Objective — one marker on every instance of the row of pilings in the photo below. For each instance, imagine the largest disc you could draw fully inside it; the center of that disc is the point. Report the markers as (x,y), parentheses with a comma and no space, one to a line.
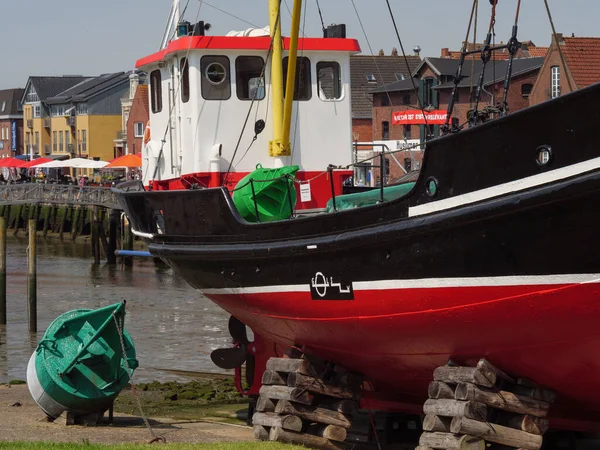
(107,229)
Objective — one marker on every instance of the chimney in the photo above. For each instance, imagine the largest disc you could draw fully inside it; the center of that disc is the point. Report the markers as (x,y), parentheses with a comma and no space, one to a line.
(559,38)
(134,81)
(381,52)
(394,51)
(445,53)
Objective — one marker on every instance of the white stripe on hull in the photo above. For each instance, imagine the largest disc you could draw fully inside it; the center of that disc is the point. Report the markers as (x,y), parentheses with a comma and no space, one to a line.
(425,283)
(506,188)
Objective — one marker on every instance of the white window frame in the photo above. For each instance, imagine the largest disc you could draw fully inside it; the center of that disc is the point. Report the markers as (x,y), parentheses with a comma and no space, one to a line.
(555,81)
(138,129)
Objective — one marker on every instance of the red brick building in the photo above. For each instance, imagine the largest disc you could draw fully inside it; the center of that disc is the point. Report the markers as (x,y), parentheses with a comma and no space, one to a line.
(582,58)
(397,115)
(11,122)
(138,118)
(527,50)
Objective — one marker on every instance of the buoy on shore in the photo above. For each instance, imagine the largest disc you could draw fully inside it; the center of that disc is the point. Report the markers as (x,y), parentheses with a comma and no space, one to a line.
(82,363)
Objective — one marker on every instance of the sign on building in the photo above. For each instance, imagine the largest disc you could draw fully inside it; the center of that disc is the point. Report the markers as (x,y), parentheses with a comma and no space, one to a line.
(14,135)
(416,117)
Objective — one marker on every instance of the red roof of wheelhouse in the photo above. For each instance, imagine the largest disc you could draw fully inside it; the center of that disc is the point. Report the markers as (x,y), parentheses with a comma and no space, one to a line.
(248,43)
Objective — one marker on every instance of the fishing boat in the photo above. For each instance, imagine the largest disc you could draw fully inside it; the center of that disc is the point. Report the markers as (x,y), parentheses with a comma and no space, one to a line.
(492,252)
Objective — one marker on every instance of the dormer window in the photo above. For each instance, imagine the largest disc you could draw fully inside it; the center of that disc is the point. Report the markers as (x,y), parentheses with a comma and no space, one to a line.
(399,77)
(371,78)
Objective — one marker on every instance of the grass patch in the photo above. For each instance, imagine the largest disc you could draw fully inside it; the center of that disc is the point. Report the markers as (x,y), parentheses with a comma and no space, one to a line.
(16,382)
(212,446)
(201,399)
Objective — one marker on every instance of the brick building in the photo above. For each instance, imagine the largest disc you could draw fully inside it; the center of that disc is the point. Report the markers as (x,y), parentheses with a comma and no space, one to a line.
(368,72)
(11,122)
(528,50)
(582,58)
(398,118)
(139,116)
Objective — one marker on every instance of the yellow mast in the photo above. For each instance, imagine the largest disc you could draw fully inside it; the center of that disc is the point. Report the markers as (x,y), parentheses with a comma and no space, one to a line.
(280,146)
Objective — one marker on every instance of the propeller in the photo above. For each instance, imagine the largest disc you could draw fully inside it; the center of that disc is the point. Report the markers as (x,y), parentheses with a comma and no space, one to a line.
(234,357)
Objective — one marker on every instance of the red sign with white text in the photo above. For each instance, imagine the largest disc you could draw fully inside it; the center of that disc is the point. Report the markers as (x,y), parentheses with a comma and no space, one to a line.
(415,117)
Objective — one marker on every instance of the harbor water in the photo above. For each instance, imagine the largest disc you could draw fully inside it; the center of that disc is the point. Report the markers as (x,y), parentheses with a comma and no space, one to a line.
(174,328)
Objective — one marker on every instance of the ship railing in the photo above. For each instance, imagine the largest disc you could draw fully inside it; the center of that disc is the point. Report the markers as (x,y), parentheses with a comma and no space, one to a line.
(57,194)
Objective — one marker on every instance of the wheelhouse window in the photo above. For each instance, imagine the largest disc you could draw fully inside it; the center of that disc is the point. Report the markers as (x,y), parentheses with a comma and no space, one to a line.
(216,77)
(156,91)
(555,79)
(249,77)
(184,70)
(302,90)
(329,80)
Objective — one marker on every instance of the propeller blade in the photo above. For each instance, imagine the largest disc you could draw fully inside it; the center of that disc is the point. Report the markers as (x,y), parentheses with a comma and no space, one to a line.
(250,363)
(229,358)
(237,330)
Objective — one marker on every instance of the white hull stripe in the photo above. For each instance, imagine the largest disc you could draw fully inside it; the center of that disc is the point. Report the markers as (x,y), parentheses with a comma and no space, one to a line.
(425,283)
(506,188)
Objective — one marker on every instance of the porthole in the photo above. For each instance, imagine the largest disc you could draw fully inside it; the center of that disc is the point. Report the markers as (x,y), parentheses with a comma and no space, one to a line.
(431,187)
(215,73)
(544,155)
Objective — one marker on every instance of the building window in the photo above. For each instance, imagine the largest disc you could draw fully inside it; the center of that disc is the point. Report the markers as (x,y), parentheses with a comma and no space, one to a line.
(32,96)
(184,69)
(385,131)
(54,141)
(302,90)
(37,111)
(407,164)
(526,89)
(407,129)
(138,129)
(555,81)
(249,85)
(68,141)
(427,92)
(79,141)
(406,99)
(156,91)
(371,78)
(3,106)
(82,109)
(84,141)
(56,111)
(385,100)
(61,144)
(37,140)
(329,80)
(430,131)
(216,79)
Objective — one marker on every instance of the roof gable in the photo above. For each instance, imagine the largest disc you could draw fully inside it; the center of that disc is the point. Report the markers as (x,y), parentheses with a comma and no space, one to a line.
(47,87)
(90,88)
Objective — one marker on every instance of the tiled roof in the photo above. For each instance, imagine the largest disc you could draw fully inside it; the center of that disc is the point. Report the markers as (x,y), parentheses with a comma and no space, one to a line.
(89,88)
(51,86)
(582,55)
(384,69)
(528,50)
(10,98)
(538,52)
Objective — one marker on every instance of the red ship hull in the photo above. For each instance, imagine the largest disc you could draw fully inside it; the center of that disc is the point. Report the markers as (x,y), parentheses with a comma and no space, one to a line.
(546,332)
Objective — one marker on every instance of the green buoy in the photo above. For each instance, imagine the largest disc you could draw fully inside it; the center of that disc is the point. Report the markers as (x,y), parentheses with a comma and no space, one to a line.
(270,192)
(78,365)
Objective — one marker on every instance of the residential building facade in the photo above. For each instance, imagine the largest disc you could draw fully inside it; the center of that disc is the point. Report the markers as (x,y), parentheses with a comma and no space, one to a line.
(11,122)
(138,120)
(581,67)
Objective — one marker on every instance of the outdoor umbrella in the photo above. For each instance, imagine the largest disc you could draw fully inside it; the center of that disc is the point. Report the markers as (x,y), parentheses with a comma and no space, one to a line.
(129,161)
(78,163)
(10,162)
(34,162)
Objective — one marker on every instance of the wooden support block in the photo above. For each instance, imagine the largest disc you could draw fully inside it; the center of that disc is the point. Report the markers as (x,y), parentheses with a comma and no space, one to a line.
(344,406)
(452,408)
(289,437)
(289,365)
(317,386)
(538,393)
(450,441)
(527,423)
(330,432)
(439,389)
(496,433)
(287,422)
(503,400)
(264,404)
(271,377)
(486,367)
(437,423)
(293,394)
(423,447)
(480,377)
(261,433)
(313,414)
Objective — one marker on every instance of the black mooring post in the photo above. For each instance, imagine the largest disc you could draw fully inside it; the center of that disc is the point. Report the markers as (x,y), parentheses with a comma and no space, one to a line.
(381,172)
(330,170)
(254,198)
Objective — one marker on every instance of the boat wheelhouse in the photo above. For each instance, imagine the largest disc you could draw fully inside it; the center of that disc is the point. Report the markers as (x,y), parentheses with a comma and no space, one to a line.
(202,88)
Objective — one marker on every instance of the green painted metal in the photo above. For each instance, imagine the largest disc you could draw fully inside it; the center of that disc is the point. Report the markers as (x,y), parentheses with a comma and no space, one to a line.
(79,362)
(271,192)
(371,197)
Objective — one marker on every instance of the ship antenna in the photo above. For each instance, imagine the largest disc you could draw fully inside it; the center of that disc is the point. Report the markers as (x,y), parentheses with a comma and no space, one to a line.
(321,16)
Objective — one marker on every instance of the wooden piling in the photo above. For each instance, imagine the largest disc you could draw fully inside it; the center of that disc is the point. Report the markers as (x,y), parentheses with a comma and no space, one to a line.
(2,271)
(47,220)
(32,278)
(95,236)
(113,227)
(127,241)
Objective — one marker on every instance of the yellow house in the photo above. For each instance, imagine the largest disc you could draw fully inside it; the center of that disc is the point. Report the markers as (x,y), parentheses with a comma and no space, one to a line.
(68,117)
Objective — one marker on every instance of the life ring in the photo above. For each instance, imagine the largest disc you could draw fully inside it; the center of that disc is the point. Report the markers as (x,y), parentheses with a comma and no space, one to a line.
(147,134)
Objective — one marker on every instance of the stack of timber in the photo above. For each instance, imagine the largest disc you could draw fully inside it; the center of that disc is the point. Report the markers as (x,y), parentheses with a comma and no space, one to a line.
(306,402)
(473,408)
